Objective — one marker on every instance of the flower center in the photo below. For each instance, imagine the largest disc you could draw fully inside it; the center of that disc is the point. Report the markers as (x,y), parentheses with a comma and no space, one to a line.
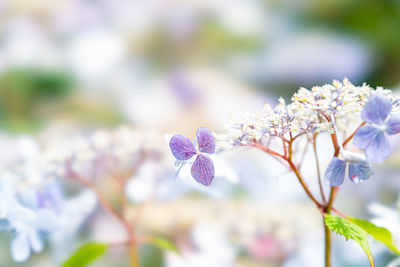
(380,127)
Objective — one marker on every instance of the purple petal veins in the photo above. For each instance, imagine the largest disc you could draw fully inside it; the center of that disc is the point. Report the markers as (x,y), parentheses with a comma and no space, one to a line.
(205,140)
(376,110)
(334,174)
(393,124)
(182,147)
(203,170)
(379,148)
(364,136)
(360,171)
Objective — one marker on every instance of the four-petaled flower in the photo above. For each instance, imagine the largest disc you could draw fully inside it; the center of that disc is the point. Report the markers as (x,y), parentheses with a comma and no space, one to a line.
(183,149)
(371,137)
(359,169)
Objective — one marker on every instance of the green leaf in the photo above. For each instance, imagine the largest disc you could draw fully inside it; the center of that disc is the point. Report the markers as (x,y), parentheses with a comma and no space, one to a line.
(379,233)
(350,230)
(163,243)
(85,255)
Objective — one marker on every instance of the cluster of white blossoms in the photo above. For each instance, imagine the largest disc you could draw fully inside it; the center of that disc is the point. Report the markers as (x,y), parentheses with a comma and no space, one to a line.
(102,152)
(33,203)
(314,110)
(92,155)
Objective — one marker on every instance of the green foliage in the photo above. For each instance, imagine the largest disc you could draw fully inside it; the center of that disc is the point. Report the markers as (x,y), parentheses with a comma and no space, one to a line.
(349,230)
(379,233)
(151,256)
(163,243)
(85,255)
(214,36)
(374,22)
(24,91)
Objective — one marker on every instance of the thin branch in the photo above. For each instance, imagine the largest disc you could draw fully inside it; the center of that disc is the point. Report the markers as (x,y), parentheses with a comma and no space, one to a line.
(103,201)
(265,149)
(341,214)
(299,177)
(108,207)
(303,155)
(297,136)
(332,197)
(352,135)
(303,184)
(280,158)
(284,147)
(321,189)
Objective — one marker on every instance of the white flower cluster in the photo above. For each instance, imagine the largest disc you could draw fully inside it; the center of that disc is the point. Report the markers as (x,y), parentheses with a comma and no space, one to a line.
(32,200)
(313,110)
(102,152)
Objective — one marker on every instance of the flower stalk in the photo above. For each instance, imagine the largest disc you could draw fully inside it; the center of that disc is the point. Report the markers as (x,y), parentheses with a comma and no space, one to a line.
(121,216)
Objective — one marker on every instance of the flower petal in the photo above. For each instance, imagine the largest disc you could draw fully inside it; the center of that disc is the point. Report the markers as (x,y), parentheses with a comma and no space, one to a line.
(35,241)
(364,136)
(376,109)
(393,124)
(20,248)
(360,171)
(206,140)
(334,174)
(182,147)
(203,170)
(379,148)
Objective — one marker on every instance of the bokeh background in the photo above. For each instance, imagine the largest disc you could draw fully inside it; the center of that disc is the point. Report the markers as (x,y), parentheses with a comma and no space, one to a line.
(169,66)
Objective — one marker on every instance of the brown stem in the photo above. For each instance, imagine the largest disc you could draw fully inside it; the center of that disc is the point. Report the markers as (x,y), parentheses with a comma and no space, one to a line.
(352,135)
(303,184)
(284,148)
(298,175)
(269,151)
(338,212)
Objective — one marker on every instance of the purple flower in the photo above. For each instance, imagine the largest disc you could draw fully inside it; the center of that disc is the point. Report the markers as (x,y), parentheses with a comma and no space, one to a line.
(183,149)
(371,137)
(358,171)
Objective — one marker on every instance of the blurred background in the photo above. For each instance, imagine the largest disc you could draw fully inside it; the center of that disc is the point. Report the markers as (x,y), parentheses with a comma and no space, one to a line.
(170,66)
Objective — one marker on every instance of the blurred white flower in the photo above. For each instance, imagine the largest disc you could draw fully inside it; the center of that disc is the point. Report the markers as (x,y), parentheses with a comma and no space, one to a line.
(249,22)
(386,217)
(76,210)
(95,54)
(26,44)
(212,248)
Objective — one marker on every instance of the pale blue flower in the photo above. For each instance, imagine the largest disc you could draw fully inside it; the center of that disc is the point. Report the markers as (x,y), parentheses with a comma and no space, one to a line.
(371,137)
(26,223)
(358,171)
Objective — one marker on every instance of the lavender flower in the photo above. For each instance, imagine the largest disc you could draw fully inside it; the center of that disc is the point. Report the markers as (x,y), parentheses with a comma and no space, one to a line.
(183,149)
(358,171)
(371,137)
